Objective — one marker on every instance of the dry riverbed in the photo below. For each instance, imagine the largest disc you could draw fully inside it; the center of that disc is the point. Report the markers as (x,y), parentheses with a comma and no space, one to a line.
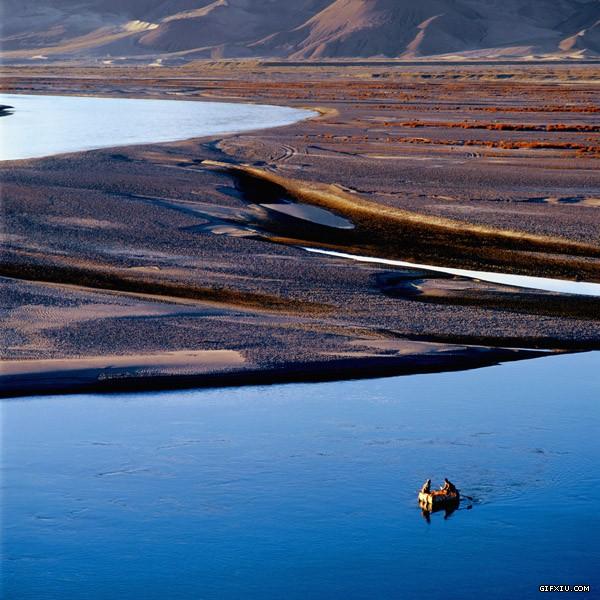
(190,248)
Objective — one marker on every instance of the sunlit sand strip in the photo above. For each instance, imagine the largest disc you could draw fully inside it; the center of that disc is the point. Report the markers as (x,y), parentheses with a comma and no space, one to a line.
(561,286)
(181,360)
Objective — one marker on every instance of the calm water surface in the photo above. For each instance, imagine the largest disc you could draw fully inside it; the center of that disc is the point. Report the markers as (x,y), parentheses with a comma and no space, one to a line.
(46,125)
(307,491)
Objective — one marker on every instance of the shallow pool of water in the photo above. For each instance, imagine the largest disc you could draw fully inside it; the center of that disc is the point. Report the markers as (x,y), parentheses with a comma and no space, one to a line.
(47,125)
(307,491)
(310,214)
(547,284)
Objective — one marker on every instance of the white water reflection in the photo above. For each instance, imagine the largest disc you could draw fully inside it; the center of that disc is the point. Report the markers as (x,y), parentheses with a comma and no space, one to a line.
(546,284)
(48,125)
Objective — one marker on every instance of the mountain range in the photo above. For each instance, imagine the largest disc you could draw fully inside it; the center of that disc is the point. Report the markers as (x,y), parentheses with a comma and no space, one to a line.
(169,30)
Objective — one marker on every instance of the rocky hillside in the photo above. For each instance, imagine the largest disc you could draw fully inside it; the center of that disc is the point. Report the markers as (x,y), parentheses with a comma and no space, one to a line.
(302,29)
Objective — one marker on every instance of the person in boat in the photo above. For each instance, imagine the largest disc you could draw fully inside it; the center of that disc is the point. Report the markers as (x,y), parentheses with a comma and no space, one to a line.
(426,487)
(449,487)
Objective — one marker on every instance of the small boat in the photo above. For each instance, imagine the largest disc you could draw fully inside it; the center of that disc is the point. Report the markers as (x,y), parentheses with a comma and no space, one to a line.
(438,498)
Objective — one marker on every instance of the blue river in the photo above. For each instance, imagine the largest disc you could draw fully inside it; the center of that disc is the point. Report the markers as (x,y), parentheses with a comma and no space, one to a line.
(308,491)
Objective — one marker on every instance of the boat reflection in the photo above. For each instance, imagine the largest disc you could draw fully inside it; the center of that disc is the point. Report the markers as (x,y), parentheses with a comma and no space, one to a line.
(427,509)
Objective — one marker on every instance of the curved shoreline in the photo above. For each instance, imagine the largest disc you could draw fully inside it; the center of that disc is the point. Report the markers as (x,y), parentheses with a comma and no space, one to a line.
(100,377)
(132,122)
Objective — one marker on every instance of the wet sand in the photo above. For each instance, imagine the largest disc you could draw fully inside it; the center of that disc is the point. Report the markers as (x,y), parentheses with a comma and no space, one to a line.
(149,250)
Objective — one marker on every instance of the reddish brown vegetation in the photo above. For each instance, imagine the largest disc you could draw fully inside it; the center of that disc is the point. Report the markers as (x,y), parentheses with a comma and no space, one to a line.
(496,126)
(540,109)
(581,149)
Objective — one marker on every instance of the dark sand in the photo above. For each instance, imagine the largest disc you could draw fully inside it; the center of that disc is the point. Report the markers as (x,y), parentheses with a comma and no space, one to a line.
(148,250)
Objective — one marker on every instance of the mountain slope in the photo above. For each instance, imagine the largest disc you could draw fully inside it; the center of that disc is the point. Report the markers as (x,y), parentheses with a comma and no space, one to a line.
(299,30)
